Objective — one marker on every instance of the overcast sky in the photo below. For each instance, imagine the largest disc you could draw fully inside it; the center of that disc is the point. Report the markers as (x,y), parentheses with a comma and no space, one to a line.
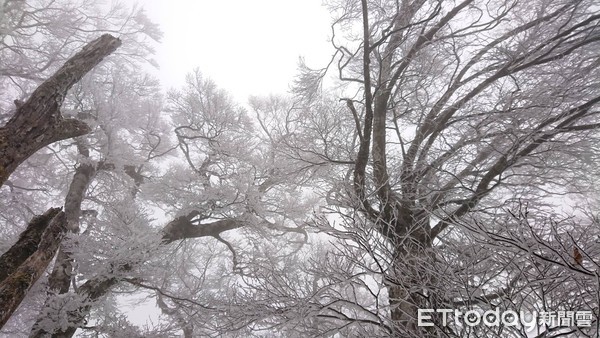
(247,47)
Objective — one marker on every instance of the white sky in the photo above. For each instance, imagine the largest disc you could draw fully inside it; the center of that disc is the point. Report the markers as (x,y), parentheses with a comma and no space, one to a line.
(248,47)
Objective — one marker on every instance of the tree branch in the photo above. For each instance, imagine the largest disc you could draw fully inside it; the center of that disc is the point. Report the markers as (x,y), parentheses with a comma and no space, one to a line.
(38,121)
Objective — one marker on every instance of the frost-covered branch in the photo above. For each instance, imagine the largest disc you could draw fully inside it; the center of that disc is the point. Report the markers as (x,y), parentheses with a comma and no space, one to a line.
(38,122)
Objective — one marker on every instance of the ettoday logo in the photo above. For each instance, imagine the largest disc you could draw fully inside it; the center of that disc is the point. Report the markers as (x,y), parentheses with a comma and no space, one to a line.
(495,317)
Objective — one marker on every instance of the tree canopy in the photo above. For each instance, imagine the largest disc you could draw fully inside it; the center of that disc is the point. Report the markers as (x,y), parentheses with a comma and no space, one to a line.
(445,158)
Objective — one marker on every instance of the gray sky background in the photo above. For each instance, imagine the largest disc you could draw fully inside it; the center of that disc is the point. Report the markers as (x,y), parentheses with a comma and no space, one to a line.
(246,47)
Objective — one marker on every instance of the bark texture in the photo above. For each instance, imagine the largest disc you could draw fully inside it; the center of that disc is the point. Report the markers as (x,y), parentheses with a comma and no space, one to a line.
(27,244)
(38,122)
(14,288)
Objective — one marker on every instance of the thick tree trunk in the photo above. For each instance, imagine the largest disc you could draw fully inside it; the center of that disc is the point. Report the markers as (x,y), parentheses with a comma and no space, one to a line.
(27,244)
(38,122)
(14,288)
(412,280)
(403,310)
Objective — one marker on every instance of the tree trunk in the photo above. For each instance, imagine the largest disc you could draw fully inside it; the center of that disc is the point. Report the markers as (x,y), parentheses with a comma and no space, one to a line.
(38,122)
(60,278)
(14,288)
(27,244)
(411,284)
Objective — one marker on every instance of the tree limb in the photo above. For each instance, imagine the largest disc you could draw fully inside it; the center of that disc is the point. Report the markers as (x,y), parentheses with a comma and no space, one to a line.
(38,121)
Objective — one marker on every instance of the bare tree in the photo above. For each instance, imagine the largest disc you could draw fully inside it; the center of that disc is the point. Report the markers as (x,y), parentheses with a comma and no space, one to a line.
(459,109)
(219,184)
(429,177)
(57,110)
